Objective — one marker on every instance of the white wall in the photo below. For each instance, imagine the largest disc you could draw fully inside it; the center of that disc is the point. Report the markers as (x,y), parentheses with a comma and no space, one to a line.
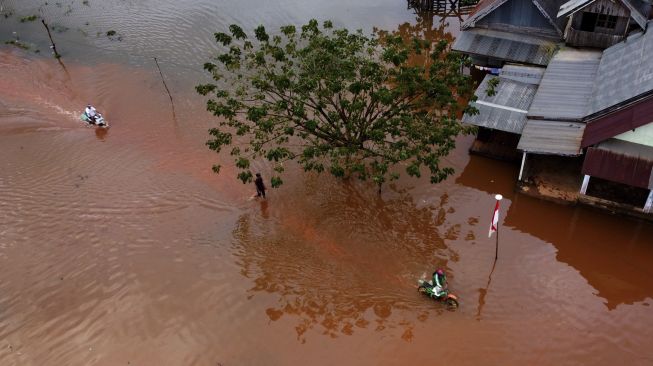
(642,135)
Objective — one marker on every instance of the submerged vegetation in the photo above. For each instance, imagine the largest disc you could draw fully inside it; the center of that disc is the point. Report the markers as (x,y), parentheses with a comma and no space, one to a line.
(17,43)
(60,28)
(113,35)
(30,18)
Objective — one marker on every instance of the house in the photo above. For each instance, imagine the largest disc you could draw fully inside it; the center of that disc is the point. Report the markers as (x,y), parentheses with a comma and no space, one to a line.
(530,31)
(599,104)
(619,132)
(602,23)
(517,31)
(555,123)
(583,111)
(524,35)
(502,116)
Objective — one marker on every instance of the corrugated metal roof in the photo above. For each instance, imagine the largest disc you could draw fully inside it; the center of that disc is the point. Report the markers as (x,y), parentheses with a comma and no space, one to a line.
(621,161)
(548,8)
(625,72)
(639,10)
(523,74)
(483,8)
(552,137)
(566,88)
(506,110)
(572,6)
(505,46)
(550,11)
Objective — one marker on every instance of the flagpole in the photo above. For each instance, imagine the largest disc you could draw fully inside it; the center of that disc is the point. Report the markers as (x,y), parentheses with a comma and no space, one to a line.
(494,228)
(496,248)
(498,197)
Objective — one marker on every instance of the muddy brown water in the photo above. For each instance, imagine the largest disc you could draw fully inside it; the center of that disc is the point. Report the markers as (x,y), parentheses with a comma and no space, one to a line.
(120,247)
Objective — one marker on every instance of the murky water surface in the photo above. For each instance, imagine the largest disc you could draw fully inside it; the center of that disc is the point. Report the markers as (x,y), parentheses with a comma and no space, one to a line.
(120,247)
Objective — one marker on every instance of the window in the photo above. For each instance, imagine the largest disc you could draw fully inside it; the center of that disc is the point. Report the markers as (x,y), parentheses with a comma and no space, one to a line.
(588,22)
(606,21)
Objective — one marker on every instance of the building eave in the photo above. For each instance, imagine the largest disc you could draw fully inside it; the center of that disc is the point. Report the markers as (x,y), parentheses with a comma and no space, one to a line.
(603,126)
(639,18)
(538,5)
(475,17)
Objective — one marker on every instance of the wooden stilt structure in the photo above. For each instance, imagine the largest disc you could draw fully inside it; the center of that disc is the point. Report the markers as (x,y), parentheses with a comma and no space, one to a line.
(443,7)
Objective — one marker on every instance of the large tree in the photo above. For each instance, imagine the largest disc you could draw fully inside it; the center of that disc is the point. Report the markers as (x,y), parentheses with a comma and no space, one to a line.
(336,101)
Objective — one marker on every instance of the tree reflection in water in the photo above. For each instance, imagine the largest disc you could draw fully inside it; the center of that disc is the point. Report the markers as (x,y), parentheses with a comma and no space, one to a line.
(348,260)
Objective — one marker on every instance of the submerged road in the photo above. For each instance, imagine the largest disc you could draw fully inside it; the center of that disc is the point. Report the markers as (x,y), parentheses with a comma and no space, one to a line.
(121,247)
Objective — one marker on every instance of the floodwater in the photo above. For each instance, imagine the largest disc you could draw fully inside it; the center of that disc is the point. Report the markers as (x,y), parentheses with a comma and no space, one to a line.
(121,247)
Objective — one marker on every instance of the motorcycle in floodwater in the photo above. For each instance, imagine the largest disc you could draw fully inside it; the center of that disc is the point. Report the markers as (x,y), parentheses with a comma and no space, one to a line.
(98,121)
(428,289)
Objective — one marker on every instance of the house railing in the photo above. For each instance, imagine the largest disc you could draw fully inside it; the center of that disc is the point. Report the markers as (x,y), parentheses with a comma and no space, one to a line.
(462,6)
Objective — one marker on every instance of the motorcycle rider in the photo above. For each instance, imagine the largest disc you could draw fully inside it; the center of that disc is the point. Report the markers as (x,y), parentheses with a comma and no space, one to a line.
(439,282)
(91,113)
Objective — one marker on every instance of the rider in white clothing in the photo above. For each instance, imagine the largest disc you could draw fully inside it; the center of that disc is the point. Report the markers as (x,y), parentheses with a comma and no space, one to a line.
(91,113)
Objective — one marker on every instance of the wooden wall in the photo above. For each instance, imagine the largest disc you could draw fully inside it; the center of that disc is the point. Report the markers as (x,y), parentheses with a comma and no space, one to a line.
(615,8)
(601,37)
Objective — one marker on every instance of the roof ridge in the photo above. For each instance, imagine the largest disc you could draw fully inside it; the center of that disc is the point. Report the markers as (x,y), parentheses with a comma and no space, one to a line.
(639,18)
(538,5)
(482,12)
(635,14)
(486,7)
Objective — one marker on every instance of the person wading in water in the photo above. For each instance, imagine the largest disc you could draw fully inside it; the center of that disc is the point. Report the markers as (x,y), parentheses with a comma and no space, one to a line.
(260,186)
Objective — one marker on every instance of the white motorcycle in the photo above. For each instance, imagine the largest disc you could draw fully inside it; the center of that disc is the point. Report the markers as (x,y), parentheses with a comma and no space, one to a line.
(98,120)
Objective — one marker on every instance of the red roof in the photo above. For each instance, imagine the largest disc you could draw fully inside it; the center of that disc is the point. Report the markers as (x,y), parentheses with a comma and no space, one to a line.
(617,167)
(482,5)
(616,123)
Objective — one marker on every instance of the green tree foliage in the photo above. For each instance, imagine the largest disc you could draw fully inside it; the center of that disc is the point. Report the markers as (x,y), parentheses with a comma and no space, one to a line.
(336,101)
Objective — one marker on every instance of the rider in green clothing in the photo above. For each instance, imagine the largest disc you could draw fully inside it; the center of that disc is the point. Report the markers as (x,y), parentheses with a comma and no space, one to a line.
(439,282)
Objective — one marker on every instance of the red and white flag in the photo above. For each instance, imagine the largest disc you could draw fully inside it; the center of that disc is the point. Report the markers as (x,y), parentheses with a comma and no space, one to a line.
(494,224)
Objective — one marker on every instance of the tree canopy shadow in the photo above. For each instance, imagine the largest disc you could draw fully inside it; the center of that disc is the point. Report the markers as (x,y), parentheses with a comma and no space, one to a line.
(346,259)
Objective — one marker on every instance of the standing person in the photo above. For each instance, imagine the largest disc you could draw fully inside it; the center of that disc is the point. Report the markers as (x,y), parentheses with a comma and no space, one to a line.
(260,186)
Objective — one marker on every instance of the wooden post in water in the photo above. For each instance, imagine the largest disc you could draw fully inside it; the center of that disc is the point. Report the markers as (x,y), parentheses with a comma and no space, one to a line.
(54,47)
(172,103)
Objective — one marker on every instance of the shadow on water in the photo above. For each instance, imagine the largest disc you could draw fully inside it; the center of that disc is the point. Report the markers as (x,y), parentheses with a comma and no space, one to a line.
(347,260)
(614,260)
(101,133)
(611,252)
(489,176)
